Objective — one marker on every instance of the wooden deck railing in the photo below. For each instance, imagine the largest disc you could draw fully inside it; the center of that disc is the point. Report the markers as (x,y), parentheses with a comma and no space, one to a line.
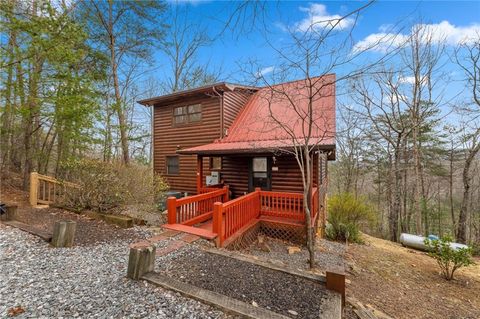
(192,210)
(47,190)
(208,189)
(282,205)
(230,217)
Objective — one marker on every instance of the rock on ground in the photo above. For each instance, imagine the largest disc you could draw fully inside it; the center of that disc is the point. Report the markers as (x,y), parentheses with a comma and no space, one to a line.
(83,282)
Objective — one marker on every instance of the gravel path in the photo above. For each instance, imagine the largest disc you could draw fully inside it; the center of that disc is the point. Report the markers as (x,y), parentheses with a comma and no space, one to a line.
(289,295)
(83,282)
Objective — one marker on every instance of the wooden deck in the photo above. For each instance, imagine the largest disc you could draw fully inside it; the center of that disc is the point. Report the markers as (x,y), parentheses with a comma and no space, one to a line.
(212,216)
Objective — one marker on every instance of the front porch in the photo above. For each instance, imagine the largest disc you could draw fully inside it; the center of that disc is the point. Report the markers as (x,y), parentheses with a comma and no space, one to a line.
(213,216)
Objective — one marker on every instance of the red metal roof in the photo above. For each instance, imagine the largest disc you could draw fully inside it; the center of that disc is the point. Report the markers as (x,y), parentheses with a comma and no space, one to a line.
(277,117)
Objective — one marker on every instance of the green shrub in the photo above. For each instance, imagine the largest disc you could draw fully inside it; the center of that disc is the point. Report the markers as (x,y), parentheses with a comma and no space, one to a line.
(346,214)
(104,186)
(448,259)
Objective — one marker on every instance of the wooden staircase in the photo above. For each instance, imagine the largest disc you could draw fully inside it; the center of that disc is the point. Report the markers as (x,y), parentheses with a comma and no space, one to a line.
(202,231)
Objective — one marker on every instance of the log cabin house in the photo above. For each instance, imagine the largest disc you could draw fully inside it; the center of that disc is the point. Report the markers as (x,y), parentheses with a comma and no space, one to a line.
(230,147)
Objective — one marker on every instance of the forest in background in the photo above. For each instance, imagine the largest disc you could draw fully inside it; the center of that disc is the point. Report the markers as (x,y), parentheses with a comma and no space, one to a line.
(72,73)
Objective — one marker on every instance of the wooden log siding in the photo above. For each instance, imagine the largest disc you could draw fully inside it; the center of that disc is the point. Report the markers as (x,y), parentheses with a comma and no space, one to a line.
(233,102)
(192,210)
(169,138)
(288,178)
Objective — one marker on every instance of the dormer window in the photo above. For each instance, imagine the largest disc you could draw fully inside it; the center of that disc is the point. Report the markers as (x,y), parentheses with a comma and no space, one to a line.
(187,114)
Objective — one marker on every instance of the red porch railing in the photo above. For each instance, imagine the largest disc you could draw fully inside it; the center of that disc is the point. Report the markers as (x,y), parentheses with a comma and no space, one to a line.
(195,209)
(211,188)
(282,205)
(232,216)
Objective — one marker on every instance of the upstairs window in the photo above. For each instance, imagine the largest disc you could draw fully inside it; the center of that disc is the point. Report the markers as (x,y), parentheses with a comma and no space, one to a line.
(187,114)
(173,167)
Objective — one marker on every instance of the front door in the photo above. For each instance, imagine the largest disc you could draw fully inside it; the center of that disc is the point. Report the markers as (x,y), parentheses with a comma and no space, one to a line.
(260,173)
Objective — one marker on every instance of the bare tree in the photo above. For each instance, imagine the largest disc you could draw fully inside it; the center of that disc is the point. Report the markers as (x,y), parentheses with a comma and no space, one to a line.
(382,105)
(182,46)
(311,54)
(468,58)
(421,57)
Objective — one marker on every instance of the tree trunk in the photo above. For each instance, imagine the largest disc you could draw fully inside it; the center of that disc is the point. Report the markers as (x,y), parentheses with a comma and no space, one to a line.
(450,191)
(118,98)
(462,218)
(7,116)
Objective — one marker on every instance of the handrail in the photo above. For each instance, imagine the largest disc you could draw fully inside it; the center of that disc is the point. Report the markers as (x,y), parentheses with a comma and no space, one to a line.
(210,188)
(194,209)
(44,190)
(231,216)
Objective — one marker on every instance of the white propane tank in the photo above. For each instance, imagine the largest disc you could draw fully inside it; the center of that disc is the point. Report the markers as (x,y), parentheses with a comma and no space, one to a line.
(418,242)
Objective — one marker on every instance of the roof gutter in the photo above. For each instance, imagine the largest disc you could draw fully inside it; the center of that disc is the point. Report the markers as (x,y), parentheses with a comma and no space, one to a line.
(220,97)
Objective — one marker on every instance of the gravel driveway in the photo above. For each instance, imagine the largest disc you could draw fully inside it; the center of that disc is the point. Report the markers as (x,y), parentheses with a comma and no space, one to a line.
(83,282)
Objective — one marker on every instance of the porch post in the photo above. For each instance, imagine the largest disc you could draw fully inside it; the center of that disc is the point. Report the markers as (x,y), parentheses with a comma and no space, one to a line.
(199,173)
(218,223)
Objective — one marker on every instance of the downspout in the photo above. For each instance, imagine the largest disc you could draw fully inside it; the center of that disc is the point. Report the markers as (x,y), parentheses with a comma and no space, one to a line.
(220,96)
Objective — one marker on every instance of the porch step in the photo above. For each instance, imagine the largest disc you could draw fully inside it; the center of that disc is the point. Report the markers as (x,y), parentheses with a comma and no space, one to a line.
(204,233)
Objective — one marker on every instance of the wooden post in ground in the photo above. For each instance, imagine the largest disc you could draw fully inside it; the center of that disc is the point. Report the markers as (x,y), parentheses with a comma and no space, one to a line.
(172,210)
(218,222)
(336,282)
(141,260)
(64,233)
(33,188)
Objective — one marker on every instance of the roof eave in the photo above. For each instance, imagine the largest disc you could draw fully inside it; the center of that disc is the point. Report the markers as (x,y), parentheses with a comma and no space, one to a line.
(246,151)
(198,90)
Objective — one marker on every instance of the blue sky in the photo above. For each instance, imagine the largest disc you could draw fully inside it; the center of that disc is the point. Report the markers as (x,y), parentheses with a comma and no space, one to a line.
(231,50)
(452,19)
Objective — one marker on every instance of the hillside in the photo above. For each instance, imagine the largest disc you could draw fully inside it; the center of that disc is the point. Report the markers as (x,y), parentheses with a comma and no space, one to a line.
(405,283)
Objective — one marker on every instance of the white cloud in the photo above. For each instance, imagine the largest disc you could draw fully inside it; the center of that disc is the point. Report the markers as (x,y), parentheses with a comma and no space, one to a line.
(265,71)
(380,42)
(268,69)
(443,32)
(407,79)
(318,18)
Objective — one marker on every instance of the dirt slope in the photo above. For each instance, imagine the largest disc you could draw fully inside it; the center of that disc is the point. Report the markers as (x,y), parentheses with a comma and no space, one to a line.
(405,283)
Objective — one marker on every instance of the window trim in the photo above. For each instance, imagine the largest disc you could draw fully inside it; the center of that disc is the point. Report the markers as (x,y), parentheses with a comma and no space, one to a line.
(166,165)
(211,163)
(251,172)
(187,115)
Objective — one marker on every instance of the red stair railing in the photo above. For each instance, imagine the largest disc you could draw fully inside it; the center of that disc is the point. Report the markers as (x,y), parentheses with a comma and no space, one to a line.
(191,210)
